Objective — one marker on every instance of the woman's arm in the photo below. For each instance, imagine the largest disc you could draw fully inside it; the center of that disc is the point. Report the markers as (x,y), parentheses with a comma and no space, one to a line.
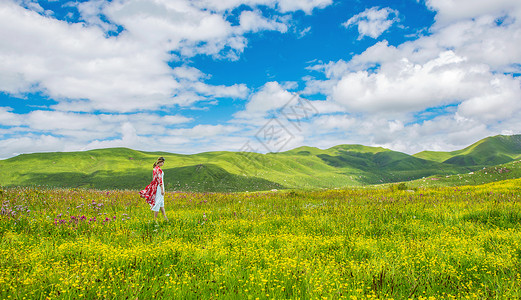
(161,182)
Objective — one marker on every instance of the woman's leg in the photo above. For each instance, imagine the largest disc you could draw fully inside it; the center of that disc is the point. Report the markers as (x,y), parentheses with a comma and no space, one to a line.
(155,216)
(164,213)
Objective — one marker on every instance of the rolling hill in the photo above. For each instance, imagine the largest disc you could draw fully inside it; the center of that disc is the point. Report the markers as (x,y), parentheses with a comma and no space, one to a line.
(486,152)
(222,171)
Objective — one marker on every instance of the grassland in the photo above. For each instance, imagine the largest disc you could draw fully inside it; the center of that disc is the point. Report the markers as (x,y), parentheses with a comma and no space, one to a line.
(363,243)
(302,168)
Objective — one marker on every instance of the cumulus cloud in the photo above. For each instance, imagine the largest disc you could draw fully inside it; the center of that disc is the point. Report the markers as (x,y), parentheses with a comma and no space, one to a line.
(283,6)
(305,5)
(451,11)
(7,118)
(253,21)
(91,12)
(77,62)
(272,96)
(373,21)
(403,86)
(80,129)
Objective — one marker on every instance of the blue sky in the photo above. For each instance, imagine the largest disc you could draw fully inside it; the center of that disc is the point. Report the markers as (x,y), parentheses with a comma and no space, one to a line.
(205,75)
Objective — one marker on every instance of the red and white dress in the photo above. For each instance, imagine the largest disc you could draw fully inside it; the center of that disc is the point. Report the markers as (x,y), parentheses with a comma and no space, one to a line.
(152,192)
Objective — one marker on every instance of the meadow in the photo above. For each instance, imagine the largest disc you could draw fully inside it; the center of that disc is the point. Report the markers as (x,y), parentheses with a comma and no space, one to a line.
(360,243)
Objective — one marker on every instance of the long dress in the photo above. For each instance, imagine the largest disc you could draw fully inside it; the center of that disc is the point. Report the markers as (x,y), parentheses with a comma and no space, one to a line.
(150,191)
(160,198)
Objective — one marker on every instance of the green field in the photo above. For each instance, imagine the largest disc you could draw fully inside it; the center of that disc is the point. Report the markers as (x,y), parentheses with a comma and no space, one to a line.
(360,243)
(341,166)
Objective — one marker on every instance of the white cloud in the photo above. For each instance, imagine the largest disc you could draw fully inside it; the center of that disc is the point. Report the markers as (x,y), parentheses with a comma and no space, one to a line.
(253,21)
(7,118)
(206,131)
(83,127)
(403,86)
(373,21)
(283,6)
(330,123)
(305,5)
(188,73)
(19,145)
(272,96)
(76,62)
(504,103)
(450,11)
(91,11)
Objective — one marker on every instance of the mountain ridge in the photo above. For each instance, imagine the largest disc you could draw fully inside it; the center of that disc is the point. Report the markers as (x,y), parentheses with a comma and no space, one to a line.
(222,171)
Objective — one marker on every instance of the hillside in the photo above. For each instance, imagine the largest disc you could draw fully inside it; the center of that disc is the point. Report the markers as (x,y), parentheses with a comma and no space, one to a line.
(508,171)
(486,152)
(222,171)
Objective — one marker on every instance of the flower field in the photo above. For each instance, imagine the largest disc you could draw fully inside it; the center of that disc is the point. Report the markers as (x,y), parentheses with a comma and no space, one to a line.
(432,243)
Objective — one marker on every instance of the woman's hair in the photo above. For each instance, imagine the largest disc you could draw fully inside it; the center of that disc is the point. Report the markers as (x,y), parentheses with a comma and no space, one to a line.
(160,159)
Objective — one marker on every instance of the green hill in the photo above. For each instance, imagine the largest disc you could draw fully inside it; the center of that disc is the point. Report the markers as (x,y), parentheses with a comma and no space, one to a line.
(486,152)
(303,167)
(511,170)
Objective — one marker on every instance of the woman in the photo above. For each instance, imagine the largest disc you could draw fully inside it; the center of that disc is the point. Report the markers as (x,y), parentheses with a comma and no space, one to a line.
(154,193)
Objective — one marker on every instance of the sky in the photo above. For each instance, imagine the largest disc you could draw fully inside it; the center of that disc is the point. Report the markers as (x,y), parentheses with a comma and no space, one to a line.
(258,75)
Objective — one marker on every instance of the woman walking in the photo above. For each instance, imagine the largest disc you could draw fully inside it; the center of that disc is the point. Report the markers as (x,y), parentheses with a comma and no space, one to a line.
(154,193)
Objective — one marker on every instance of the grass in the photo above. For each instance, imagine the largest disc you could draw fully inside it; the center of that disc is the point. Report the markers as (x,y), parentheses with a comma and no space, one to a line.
(484,175)
(358,243)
